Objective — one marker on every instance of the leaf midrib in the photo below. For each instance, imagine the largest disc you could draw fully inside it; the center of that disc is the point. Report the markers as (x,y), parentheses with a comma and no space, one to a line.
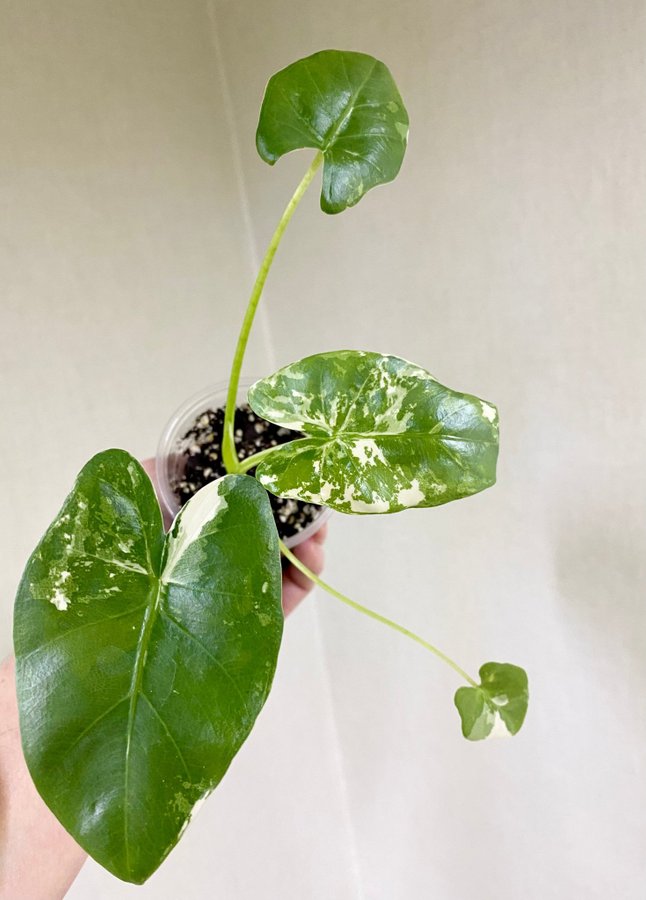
(150,616)
(346,437)
(347,112)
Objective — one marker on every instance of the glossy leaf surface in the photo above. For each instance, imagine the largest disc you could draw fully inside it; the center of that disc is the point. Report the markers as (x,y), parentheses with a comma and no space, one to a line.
(382,435)
(143,660)
(346,105)
(498,706)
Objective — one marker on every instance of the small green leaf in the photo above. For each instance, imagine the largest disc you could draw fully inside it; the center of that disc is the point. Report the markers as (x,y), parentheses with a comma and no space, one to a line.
(346,105)
(382,435)
(498,706)
(143,660)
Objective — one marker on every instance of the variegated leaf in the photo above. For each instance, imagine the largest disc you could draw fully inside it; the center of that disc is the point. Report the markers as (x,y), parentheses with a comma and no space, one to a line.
(496,708)
(346,105)
(382,435)
(143,660)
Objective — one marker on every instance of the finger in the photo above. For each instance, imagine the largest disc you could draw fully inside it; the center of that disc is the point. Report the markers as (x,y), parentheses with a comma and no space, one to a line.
(311,555)
(320,536)
(296,585)
(292,596)
(149,467)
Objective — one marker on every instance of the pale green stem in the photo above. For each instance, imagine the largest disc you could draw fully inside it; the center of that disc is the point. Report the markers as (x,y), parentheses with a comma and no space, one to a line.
(295,561)
(249,462)
(229,455)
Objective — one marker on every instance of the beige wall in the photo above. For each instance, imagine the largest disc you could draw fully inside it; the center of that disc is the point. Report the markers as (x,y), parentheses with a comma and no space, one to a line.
(124,264)
(508,259)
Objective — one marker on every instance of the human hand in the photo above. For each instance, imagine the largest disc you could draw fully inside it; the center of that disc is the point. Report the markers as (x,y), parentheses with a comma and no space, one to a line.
(296,586)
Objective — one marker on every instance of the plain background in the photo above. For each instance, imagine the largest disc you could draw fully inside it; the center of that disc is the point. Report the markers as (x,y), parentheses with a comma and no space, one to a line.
(508,258)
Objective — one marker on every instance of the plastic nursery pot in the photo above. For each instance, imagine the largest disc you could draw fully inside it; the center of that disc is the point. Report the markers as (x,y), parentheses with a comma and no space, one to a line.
(173,454)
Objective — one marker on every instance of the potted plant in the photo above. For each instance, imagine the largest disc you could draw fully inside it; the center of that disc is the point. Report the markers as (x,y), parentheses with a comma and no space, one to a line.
(190,456)
(143,657)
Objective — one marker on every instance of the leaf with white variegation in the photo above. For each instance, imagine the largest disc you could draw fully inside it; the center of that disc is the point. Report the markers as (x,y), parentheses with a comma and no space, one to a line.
(144,659)
(381,434)
(346,105)
(497,707)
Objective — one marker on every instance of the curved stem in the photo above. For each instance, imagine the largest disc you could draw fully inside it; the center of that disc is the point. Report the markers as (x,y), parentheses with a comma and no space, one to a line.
(250,462)
(295,561)
(229,455)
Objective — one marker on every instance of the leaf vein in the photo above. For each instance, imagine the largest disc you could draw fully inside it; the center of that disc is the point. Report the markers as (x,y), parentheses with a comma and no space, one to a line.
(347,113)
(164,725)
(207,652)
(95,722)
(301,118)
(69,631)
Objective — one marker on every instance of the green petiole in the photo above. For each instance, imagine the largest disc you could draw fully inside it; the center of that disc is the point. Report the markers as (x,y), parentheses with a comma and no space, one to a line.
(229,455)
(250,462)
(295,561)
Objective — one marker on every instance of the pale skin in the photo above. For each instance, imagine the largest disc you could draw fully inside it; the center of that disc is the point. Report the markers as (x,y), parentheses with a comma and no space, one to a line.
(38,858)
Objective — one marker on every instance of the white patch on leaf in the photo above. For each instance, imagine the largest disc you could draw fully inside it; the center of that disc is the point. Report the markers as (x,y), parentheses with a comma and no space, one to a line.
(294,493)
(377,506)
(128,566)
(197,806)
(411,496)
(200,510)
(274,416)
(499,729)
(488,411)
(326,491)
(60,601)
(367,452)
(294,373)
(402,128)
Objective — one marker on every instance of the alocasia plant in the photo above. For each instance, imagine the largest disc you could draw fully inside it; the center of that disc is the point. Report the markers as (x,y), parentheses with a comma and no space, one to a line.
(144,658)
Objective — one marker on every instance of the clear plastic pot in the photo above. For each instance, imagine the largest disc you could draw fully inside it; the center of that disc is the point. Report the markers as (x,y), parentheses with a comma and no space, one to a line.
(171,460)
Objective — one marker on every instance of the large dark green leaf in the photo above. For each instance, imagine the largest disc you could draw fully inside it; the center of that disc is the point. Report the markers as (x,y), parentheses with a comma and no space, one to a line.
(497,707)
(346,105)
(142,662)
(382,434)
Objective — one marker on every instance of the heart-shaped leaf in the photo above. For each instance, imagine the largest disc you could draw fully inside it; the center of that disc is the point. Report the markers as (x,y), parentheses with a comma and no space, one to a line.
(498,706)
(143,660)
(346,105)
(382,434)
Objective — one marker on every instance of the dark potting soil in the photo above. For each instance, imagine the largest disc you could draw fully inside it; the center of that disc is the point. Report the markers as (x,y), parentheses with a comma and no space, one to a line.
(201,447)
